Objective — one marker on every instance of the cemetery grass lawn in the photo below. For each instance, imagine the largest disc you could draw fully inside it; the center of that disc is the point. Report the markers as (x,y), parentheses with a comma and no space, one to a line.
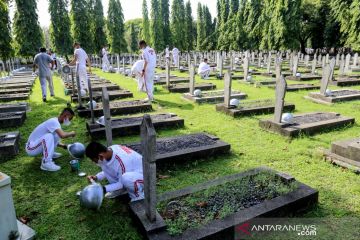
(49,202)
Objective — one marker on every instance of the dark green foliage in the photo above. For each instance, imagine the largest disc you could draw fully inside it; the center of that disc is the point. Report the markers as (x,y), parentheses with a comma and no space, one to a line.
(189,27)
(60,27)
(116,29)
(6,50)
(178,24)
(156,26)
(27,31)
(133,30)
(145,23)
(81,25)
(165,16)
(97,24)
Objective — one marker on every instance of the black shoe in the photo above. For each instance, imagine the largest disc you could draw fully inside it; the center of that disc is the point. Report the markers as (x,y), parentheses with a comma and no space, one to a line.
(44,99)
(53,95)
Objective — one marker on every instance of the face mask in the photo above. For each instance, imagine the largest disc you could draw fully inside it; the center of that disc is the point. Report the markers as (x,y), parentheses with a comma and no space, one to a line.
(66,122)
(100,162)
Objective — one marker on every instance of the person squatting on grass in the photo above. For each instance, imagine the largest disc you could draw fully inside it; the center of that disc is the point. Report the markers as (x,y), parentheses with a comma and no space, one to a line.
(121,166)
(46,137)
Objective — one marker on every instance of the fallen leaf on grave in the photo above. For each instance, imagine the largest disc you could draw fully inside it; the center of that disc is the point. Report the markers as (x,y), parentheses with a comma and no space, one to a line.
(163,176)
(69,205)
(24,219)
(217,215)
(201,204)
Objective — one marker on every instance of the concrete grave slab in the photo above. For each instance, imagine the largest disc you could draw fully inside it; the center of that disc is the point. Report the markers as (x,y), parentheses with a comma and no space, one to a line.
(113,95)
(14,97)
(118,108)
(253,107)
(335,96)
(131,125)
(9,145)
(213,96)
(308,123)
(345,153)
(183,88)
(186,148)
(14,107)
(12,119)
(298,200)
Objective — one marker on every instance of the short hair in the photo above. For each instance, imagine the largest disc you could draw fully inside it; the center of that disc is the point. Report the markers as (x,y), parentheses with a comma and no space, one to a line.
(76,44)
(93,150)
(142,42)
(205,59)
(69,110)
(42,49)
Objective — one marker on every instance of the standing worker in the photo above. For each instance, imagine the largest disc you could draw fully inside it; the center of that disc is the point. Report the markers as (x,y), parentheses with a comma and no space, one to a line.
(42,61)
(81,59)
(149,56)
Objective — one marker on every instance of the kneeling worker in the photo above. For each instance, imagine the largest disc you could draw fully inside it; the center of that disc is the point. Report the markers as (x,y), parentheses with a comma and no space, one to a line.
(46,137)
(204,69)
(121,166)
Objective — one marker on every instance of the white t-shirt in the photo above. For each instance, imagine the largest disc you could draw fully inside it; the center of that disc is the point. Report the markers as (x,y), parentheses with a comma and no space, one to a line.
(81,57)
(137,67)
(167,52)
(123,160)
(49,126)
(149,56)
(203,67)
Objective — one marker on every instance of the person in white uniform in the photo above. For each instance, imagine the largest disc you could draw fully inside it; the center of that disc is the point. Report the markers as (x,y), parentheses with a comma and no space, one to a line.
(81,60)
(105,59)
(175,53)
(204,69)
(46,137)
(149,56)
(121,166)
(44,62)
(136,70)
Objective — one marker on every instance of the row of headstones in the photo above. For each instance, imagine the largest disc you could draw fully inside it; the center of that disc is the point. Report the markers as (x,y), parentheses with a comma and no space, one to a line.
(10,65)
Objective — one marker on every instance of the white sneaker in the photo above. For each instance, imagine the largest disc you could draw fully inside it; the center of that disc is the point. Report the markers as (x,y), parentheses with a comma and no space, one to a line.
(115,194)
(57,155)
(50,167)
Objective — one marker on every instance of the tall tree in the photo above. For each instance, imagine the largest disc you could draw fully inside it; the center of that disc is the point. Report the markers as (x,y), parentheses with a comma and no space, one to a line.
(252,23)
(145,23)
(200,27)
(27,31)
(133,31)
(6,50)
(97,24)
(189,27)
(116,27)
(133,39)
(156,26)
(234,6)
(178,23)
(60,27)
(81,25)
(165,16)
(281,23)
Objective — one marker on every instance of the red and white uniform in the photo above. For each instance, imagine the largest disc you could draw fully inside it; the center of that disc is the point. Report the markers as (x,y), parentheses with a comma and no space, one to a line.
(44,140)
(81,64)
(149,56)
(123,170)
